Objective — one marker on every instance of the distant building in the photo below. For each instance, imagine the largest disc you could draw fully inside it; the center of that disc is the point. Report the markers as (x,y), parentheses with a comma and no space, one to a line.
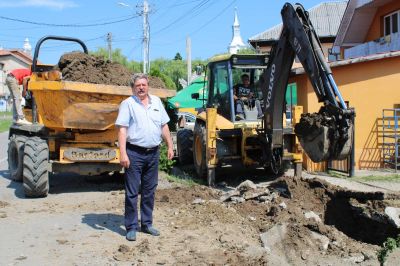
(11,59)
(237,42)
(325,17)
(368,28)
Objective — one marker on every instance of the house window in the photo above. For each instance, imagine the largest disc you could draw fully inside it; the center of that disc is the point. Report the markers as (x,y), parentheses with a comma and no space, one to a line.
(391,23)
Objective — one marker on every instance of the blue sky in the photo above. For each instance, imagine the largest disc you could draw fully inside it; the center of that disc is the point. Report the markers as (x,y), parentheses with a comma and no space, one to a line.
(207,22)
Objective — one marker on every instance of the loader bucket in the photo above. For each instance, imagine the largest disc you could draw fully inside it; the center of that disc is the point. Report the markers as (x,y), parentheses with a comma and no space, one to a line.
(325,137)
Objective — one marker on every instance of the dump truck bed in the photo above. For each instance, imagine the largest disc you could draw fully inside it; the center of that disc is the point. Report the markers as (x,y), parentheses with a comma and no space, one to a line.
(76,105)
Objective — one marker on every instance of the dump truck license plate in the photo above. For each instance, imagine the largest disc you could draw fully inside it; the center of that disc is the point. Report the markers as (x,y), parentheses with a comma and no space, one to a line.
(89,154)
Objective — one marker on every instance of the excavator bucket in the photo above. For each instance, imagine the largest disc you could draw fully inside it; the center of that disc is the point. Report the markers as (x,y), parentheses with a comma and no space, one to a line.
(325,137)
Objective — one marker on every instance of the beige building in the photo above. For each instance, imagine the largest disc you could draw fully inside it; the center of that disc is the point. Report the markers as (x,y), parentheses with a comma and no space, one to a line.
(9,60)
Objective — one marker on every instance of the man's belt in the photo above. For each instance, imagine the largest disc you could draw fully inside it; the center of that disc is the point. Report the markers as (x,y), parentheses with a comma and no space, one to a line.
(10,75)
(140,149)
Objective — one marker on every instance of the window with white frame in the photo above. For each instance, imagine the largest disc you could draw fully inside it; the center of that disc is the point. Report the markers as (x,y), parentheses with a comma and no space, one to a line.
(391,23)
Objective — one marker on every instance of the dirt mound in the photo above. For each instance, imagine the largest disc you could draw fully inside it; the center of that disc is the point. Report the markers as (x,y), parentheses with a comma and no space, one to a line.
(312,218)
(81,67)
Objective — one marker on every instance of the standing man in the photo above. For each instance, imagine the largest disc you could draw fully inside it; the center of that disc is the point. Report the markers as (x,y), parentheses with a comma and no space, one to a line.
(142,121)
(15,78)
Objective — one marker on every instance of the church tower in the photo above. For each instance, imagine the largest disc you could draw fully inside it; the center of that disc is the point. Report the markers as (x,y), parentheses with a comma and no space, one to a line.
(237,42)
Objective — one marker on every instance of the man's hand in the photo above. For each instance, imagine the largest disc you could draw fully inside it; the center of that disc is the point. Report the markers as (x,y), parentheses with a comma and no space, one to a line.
(170,153)
(124,160)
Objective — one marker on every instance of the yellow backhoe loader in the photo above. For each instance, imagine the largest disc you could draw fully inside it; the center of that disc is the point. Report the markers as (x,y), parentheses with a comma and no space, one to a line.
(220,138)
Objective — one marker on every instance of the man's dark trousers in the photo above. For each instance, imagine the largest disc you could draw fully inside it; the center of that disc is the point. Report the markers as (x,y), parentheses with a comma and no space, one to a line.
(142,171)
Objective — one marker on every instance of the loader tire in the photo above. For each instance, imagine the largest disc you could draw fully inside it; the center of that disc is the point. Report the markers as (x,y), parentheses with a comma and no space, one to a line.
(199,150)
(16,156)
(36,174)
(184,139)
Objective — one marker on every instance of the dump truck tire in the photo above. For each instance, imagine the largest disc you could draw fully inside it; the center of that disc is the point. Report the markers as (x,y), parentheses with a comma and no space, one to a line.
(199,150)
(16,156)
(184,139)
(36,174)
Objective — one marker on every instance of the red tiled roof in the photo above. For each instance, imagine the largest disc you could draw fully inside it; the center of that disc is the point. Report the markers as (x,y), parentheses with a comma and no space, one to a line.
(17,53)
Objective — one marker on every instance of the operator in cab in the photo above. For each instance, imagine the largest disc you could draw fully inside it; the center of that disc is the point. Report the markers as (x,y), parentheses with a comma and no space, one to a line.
(245,94)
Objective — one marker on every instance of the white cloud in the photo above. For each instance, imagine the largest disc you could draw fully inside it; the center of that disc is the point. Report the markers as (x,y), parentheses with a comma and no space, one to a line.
(61,4)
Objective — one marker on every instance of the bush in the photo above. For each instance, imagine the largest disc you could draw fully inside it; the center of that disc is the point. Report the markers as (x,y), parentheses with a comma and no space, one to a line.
(164,164)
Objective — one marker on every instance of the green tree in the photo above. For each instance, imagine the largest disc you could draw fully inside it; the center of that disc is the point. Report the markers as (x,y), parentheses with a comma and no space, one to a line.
(166,79)
(175,69)
(249,50)
(178,57)
(118,57)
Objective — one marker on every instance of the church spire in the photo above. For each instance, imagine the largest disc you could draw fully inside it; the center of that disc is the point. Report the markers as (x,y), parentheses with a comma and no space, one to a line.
(237,42)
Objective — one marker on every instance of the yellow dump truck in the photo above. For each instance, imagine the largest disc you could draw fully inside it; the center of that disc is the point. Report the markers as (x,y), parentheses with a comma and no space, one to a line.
(72,127)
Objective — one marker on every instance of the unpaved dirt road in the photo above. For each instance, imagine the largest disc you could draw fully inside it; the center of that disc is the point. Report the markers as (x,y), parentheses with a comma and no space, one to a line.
(280,222)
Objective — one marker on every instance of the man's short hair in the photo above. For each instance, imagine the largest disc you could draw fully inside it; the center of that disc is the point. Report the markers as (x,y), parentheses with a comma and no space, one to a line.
(137,76)
(244,76)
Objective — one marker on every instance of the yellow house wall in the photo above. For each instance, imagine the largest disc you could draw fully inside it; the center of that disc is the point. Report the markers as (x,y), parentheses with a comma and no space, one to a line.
(376,29)
(369,87)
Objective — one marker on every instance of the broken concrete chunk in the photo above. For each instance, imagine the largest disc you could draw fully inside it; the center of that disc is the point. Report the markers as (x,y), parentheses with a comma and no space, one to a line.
(198,201)
(229,195)
(237,199)
(394,215)
(324,241)
(283,205)
(312,215)
(246,185)
(273,236)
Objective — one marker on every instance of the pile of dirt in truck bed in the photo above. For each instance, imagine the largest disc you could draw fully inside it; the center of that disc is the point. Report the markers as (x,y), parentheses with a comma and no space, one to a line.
(81,67)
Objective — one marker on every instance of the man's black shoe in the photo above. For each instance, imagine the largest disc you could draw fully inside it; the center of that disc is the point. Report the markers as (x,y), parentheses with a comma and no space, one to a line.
(131,235)
(150,230)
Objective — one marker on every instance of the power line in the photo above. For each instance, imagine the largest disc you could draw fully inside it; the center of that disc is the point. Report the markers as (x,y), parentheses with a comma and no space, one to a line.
(198,6)
(205,24)
(213,18)
(69,25)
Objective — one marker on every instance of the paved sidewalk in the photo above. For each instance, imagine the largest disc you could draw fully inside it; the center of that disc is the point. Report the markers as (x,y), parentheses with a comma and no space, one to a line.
(360,185)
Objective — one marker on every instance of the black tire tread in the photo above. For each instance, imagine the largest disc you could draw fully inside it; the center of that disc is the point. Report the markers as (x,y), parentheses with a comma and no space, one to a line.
(35,174)
(200,130)
(17,142)
(184,138)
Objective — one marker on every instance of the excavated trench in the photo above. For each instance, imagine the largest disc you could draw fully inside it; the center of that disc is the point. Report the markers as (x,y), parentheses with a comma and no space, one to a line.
(361,219)
(359,215)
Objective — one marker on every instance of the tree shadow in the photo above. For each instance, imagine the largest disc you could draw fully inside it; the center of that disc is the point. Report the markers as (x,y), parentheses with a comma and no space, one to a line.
(105,221)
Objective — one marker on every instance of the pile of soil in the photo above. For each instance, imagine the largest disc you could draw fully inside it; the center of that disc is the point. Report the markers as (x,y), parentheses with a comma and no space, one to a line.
(298,222)
(81,67)
(310,123)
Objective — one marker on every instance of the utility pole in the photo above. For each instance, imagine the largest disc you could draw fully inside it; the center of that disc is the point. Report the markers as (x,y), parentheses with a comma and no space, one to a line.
(109,39)
(189,59)
(146,35)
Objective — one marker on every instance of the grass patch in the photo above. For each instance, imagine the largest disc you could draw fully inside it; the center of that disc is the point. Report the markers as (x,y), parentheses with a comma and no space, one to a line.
(388,177)
(187,181)
(5,125)
(384,177)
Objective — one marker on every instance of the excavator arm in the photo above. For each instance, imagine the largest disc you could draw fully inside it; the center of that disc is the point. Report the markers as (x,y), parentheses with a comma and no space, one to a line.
(325,135)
